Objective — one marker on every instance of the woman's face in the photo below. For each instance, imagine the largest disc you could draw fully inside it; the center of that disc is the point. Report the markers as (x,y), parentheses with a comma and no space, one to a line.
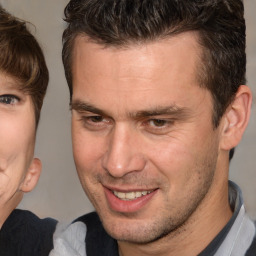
(17,140)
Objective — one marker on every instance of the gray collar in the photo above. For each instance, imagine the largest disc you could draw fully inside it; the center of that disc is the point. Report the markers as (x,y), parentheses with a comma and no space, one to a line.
(242,231)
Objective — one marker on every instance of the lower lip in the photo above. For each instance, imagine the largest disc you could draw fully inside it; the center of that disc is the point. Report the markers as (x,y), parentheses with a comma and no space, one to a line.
(127,206)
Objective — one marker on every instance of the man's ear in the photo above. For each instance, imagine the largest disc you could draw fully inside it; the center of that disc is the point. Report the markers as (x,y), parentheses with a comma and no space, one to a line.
(32,176)
(236,118)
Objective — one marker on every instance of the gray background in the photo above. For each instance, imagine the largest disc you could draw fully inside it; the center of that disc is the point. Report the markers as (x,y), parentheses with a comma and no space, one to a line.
(59,193)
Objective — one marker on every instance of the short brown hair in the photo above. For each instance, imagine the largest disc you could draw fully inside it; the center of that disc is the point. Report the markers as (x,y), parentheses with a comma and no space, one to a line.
(21,58)
(219,23)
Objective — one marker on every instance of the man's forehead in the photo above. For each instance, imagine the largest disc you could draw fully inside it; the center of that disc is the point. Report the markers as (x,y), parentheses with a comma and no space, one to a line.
(138,60)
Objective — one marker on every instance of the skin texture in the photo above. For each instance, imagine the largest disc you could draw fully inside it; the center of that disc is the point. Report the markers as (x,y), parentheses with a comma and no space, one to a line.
(140,122)
(19,171)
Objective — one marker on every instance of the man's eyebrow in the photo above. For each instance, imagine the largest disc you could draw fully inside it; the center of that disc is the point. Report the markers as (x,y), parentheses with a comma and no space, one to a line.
(176,111)
(81,106)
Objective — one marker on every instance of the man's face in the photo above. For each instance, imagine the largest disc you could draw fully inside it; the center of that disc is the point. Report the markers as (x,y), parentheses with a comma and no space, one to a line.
(17,139)
(144,145)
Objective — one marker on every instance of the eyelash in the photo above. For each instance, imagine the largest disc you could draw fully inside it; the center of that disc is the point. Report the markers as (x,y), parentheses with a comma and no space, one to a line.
(9,99)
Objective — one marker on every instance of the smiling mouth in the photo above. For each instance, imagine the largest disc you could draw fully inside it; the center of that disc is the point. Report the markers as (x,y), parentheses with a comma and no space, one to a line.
(131,195)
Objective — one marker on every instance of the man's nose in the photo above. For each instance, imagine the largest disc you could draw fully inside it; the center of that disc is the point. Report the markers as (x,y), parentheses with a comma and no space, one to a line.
(124,152)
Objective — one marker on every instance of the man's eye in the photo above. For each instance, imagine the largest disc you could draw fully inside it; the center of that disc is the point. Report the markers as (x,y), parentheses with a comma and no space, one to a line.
(95,123)
(96,119)
(159,126)
(157,122)
(8,99)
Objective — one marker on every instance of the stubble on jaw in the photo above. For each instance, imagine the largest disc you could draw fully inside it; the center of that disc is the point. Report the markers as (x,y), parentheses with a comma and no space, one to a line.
(167,227)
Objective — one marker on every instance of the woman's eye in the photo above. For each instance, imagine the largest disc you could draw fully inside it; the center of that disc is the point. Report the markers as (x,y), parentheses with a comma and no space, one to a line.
(8,99)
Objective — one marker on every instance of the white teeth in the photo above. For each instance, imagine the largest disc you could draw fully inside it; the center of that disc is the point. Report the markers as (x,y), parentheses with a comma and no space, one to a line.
(131,195)
(138,194)
(120,195)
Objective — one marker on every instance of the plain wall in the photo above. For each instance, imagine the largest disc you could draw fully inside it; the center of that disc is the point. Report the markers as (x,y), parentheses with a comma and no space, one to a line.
(59,193)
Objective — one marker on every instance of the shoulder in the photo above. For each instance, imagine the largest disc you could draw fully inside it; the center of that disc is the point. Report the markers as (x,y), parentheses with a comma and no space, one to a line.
(27,234)
(26,222)
(28,218)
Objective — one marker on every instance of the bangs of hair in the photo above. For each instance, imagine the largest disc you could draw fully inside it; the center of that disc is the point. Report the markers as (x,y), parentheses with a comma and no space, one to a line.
(16,57)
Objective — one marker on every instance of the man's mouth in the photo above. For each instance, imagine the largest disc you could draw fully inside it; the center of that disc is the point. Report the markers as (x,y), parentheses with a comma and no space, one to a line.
(129,201)
(131,195)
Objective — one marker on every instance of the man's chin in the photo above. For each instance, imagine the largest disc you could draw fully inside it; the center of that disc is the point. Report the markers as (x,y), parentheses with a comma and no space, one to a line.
(136,232)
